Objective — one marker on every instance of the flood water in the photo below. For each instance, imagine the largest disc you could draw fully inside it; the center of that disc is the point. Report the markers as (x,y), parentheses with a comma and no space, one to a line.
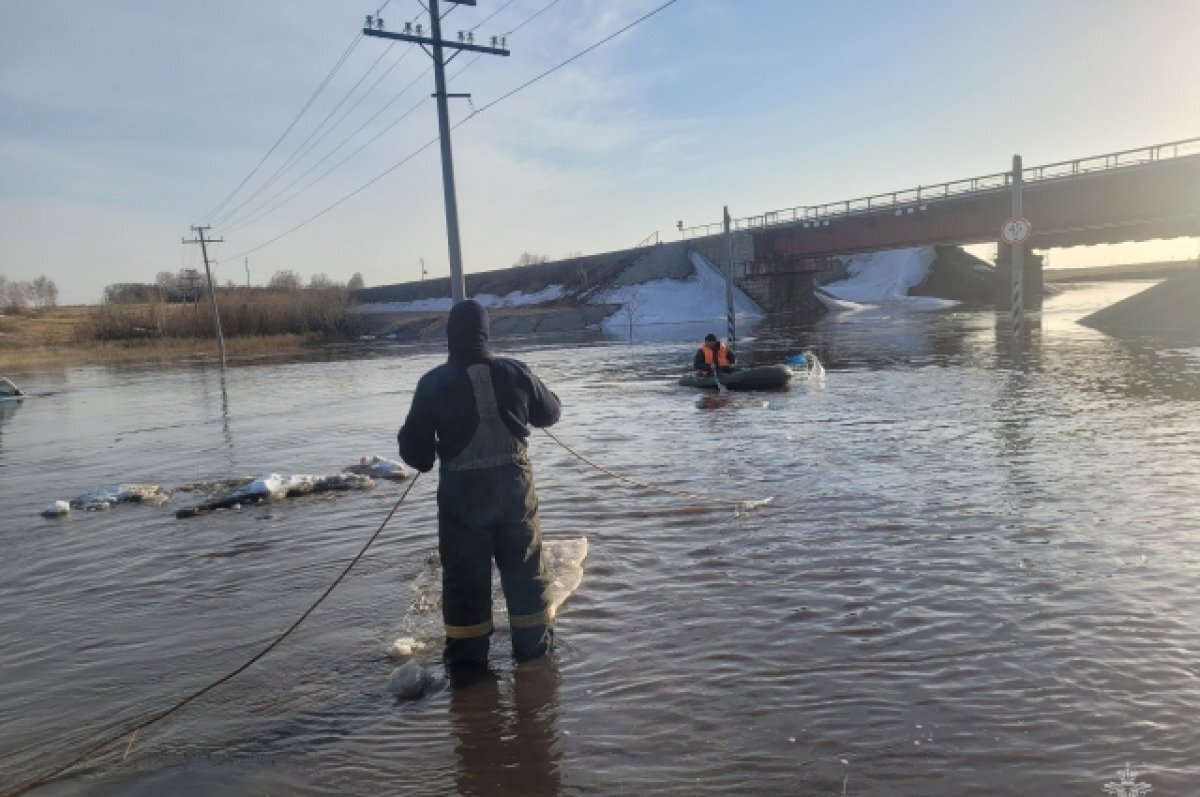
(978,575)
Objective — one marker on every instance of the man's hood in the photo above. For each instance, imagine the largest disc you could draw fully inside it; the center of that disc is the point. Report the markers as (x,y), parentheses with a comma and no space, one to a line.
(467,332)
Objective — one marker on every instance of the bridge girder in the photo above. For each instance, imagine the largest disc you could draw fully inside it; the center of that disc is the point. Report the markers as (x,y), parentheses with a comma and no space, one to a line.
(1136,203)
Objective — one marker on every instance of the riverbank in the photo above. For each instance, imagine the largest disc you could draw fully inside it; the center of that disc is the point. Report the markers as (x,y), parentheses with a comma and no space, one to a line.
(57,336)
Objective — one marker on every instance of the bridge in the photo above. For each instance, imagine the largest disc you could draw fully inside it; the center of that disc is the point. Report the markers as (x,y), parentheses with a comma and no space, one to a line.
(1133,195)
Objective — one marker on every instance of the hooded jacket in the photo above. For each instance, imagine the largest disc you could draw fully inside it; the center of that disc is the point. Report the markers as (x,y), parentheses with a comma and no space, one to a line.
(443,417)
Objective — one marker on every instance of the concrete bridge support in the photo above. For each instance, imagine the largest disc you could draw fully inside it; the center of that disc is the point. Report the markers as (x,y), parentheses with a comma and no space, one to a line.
(783,287)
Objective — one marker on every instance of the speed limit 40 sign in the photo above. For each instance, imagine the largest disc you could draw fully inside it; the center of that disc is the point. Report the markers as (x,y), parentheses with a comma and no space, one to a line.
(1016,230)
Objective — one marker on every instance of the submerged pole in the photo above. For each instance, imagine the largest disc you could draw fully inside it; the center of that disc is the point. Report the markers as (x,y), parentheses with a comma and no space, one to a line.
(1018,254)
(212,289)
(730,316)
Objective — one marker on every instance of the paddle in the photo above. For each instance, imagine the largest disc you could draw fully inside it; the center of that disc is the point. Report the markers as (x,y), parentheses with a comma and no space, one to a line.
(717,374)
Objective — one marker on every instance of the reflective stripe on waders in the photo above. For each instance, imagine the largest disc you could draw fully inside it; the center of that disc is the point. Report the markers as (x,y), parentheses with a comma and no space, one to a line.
(469,631)
(531,620)
(492,444)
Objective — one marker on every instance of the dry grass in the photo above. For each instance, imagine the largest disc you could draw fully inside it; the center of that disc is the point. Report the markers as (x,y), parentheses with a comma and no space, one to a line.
(60,336)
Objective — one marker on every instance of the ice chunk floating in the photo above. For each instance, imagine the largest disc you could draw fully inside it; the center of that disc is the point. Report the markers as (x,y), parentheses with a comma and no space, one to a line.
(423,623)
(273,486)
(564,560)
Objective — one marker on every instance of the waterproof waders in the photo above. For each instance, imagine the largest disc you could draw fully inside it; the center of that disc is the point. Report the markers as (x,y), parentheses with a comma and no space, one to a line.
(487,508)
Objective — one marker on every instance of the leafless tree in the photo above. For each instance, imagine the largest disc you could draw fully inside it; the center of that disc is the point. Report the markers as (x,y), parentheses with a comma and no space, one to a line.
(285,279)
(44,292)
(530,259)
(321,281)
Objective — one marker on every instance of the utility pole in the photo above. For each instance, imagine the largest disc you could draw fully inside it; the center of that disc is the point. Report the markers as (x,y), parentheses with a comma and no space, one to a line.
(729,313)
(466,41)
(423,271)
(247,260)
(212,292)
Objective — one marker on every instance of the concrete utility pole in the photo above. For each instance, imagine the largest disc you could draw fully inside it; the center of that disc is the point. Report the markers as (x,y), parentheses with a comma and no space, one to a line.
(247,263)
(466,41)
(212,293)
(729,313)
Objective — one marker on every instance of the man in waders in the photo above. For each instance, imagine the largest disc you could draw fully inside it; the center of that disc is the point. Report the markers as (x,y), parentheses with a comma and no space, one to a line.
(473,413)
(713,354)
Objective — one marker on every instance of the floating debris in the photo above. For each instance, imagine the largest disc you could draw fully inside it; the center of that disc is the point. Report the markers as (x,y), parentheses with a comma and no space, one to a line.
(273,486)
(235,492)
(409,681)
(57,509)
(380,468)
(404,648)
(108,496)
(423,622)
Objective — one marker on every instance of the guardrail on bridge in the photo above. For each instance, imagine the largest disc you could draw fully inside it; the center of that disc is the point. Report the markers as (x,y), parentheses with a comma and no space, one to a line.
(921,196)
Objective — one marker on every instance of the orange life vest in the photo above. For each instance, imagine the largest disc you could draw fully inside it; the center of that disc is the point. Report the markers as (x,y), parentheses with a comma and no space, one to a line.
(722,356)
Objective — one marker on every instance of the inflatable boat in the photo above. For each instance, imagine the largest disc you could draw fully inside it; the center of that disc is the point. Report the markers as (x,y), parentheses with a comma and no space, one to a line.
(758,377)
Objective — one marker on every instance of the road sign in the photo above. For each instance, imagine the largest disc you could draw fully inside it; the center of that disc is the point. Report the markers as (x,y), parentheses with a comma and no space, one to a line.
(1016,230)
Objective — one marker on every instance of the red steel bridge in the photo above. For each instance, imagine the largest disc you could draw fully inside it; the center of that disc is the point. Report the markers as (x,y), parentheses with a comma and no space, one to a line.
(1134,195)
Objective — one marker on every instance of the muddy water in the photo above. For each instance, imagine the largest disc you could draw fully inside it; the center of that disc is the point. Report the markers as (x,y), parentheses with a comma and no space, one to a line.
(978,575)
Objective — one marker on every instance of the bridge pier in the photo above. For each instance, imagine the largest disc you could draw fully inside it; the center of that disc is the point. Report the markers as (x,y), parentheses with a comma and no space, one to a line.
(1033,282)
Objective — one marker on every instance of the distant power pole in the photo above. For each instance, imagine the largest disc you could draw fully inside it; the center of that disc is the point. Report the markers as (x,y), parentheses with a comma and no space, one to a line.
(466,41)
(423,271)
(247,262)
(212,292)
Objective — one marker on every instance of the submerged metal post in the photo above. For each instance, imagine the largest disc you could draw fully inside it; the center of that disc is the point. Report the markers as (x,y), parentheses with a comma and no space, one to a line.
(729,313)
(1018,253)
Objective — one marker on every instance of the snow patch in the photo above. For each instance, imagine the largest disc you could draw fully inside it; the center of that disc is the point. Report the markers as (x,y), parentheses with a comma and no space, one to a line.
(550,293)
(701,297)
(883,277)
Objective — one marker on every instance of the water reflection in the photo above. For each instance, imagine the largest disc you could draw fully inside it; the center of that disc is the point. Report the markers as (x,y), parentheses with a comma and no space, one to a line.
(8,408)
(210,399)
(714,400)
(508,746)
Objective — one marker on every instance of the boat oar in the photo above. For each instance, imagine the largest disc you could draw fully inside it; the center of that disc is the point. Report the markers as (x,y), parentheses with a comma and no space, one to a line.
(717,375)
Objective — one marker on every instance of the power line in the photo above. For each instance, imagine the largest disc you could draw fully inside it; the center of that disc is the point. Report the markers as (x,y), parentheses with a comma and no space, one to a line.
(248,221)
(552,4)
(357,38)
(352,194)
(300,150)
(577,55)
(475,113)
(256,215)
(232,222)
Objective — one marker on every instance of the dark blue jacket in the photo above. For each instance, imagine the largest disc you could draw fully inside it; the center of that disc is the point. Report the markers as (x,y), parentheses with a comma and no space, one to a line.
(443,418)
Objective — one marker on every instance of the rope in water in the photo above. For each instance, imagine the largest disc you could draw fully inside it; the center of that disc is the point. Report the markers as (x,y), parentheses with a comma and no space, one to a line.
(133,729)
(707,499)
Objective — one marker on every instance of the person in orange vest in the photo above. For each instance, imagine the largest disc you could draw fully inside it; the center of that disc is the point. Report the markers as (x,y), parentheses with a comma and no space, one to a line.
(713,351)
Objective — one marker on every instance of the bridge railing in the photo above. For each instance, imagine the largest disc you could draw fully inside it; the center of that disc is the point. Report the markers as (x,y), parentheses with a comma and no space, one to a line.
(913,199)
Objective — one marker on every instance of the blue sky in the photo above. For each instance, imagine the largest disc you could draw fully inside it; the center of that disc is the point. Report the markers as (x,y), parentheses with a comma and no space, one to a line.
(124,122)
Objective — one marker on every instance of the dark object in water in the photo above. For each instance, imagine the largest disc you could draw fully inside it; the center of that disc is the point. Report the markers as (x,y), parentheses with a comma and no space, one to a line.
(759,377)
(9,390)
(273,487)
